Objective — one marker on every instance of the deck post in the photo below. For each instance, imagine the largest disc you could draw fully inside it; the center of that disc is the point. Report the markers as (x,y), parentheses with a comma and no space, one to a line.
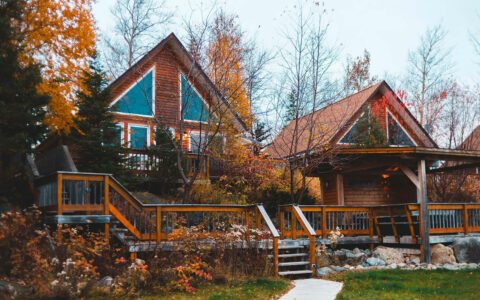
(59,204)
(106,203)
(294,225)
(465,219)
(424,214)
(281,217)
(247,223)
(275,255)
(324,223)
(159,223)
(311,252)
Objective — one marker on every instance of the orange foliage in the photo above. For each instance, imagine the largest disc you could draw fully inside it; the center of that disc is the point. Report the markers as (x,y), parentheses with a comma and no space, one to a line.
(225,55)
(59,34)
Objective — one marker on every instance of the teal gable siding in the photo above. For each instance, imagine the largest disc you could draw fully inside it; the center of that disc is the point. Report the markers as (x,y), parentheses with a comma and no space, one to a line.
(138,100)
(193,107)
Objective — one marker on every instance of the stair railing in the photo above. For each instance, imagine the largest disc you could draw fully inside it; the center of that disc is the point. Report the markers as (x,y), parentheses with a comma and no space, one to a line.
(273,231)
(298,216)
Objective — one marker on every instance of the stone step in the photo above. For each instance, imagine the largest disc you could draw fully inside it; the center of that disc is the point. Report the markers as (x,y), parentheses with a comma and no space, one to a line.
(289,247)
(293,263)
(297,272)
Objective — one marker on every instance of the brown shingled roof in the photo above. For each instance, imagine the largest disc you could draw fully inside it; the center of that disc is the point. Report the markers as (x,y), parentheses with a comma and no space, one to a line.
(472,142)
(326,123)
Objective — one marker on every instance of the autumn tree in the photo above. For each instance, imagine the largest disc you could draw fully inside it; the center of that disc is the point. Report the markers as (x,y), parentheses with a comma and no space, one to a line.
(357,74)
(21,104)
(306,60)
(428,78)
(139,24)
(60,35)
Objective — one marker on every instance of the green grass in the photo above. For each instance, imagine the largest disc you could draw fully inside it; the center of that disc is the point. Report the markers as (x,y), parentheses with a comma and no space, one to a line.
(404,284)
(248,290)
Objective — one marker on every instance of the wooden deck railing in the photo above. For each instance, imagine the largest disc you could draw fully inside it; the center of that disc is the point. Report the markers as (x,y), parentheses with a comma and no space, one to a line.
(66,193)
(392,220)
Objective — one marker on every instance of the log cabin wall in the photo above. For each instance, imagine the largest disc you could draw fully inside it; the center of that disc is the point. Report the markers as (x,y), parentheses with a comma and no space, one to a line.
(363,190)
(329,191)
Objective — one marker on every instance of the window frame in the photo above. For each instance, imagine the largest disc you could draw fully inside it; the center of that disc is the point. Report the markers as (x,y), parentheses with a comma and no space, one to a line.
(387,112)
(130,135)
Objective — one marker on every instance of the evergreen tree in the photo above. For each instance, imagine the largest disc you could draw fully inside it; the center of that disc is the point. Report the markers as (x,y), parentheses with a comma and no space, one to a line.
(22,108)
(97,137)
(292,108)
(260,133)
(165,173)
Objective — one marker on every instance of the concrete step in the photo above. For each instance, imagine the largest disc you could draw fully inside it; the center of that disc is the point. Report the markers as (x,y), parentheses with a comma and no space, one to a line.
(298,272)
(293,263)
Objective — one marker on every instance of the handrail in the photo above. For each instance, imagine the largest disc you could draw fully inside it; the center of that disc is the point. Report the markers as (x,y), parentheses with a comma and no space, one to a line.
(303,221)
(268,221)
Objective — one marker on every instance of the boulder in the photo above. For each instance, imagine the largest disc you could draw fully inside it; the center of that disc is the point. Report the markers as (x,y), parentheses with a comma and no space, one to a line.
(374,261)
(442,254)
(325,271)
(354,258)
(467,250)
(389,255)
(322,260)
(338,268)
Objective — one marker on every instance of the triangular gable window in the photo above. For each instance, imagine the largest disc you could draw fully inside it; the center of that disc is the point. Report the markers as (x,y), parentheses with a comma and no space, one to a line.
(138,100)
(352,134)
(396,135)
(193,107)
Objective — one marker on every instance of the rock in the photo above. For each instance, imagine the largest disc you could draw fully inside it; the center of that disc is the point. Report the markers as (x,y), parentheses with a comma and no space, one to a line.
(472,266)
(367,252)
(392,266)
(359,267)
(374,261)
(325,271)
(356,251)
(415,261)
(348,267)
(322,260)
(354,258)
(106,281)
(402,265)
(442,254)
(389,255)
(467,250)
(450,267)
(338,268)
(340,254)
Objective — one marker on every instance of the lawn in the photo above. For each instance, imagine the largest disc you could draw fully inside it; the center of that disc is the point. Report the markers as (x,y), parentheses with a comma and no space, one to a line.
(252,289)
(404,284)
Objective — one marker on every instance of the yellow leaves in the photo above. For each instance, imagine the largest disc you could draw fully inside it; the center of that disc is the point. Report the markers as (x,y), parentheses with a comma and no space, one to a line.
(60,35)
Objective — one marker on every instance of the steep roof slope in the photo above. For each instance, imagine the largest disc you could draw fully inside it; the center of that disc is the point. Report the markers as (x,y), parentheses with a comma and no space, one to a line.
(195,69)
(472,142)
(324,124)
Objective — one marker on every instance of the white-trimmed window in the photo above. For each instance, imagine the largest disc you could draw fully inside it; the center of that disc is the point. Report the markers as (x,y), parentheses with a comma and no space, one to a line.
(119,134)
(138,136)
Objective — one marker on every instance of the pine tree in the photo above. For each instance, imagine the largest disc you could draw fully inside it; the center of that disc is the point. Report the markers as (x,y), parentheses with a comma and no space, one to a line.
(97,136)
(292,107)
(260,133)
(22,108)
(165,173)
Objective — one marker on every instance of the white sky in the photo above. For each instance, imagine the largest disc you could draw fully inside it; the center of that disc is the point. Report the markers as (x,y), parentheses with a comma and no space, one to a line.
(388,29)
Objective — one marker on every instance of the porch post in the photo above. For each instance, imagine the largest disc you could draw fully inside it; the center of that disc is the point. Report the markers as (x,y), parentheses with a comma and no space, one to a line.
(424,214)
(340,194)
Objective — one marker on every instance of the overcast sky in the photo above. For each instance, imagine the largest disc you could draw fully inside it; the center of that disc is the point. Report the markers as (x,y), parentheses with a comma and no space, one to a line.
(388,29)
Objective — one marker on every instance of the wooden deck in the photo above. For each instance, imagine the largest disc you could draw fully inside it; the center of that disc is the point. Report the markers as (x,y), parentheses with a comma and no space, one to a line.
(84,198)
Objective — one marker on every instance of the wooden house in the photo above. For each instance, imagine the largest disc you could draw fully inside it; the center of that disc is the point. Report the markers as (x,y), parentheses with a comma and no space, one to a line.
(165,87)
(353,174)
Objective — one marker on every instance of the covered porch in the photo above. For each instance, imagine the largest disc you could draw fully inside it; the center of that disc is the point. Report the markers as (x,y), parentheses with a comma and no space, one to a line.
(382,194)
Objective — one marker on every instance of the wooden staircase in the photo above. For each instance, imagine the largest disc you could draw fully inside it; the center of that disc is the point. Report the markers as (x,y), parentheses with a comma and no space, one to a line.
(293,259)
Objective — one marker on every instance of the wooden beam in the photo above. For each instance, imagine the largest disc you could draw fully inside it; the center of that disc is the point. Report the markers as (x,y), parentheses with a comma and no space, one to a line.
(424,214)
(411,175)
(340,192)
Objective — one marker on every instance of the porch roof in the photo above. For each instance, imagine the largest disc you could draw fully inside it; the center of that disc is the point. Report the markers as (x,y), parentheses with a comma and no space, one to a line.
(429,154)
